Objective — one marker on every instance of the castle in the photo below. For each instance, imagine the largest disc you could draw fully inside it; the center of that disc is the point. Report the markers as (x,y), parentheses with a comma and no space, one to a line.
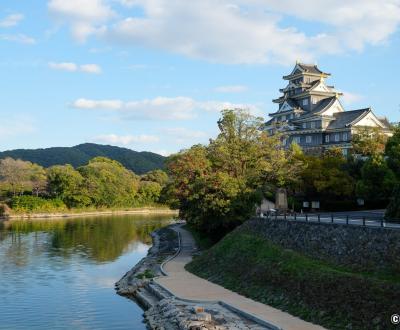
(310,113)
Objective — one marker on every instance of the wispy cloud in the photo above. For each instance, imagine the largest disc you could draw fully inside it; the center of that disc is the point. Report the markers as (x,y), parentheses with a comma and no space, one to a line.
(259,27)
(126,139)
(231,89)
(159,108)
(18,38)
(11,20)
(73,67)
(16,125)
(351,98)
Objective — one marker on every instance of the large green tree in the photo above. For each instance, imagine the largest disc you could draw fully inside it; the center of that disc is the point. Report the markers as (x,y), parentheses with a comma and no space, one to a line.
(108,183)
(392,151)
(67,184)
(217,186)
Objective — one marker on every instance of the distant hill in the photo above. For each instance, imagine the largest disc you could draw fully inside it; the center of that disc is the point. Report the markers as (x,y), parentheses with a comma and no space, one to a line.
(138,162)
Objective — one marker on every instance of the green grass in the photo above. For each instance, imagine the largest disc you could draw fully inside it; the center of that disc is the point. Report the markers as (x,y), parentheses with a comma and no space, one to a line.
(333,297)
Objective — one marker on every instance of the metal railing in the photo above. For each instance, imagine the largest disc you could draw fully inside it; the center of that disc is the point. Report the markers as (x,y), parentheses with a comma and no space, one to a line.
(343,219)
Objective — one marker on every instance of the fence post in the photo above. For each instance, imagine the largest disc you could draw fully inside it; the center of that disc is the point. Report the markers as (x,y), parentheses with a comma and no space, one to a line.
(285,216)
(364,220)
(306,217)
(347,219)
(295,216)
(319,218)
(332,218)
(382,222)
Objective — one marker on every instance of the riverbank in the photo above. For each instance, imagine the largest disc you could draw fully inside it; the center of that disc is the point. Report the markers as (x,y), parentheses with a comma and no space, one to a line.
(165,310)
(334,296)
(89,213)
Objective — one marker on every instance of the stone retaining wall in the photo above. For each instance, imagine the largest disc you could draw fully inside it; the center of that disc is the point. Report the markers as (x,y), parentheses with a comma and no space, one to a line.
(359,248)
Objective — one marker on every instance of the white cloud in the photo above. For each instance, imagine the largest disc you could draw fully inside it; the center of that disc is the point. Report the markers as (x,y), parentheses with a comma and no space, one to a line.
(231,89)
(84,17)
(11,20)
(90,68)
(127,139)
(16,125)
(236,31)
(97,104)
(73,67)
(351,98)
(184,133)
(64,66)
(160,108)
(18,38)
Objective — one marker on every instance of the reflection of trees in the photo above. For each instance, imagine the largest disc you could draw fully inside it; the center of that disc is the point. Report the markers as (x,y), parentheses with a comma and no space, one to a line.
(101,239)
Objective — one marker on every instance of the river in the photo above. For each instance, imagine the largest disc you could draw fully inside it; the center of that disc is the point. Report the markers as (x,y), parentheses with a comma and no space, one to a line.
(60,274)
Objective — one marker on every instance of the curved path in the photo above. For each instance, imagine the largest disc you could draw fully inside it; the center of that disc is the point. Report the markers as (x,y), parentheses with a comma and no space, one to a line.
(189,286)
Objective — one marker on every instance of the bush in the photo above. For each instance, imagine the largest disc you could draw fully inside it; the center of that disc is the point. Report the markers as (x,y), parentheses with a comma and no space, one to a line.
(36,204)
(393,210)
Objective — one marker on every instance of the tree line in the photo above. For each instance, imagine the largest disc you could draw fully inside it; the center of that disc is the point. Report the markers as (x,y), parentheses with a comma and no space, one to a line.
(217,186)
(102,183)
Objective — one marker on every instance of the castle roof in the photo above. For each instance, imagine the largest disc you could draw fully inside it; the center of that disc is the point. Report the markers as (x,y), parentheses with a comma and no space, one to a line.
(346,118)
(321,107)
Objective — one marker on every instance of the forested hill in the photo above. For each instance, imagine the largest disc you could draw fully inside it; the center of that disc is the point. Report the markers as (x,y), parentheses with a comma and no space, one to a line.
(138,162)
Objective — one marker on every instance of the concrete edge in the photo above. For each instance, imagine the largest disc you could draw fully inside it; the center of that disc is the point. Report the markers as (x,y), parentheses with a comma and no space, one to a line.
(234,309)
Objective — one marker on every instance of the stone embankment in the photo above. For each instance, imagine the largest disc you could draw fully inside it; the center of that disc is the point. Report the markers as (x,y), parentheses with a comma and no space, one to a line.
(162,309)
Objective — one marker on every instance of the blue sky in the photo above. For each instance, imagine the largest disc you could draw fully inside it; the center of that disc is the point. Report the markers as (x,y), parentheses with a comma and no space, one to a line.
(154,74)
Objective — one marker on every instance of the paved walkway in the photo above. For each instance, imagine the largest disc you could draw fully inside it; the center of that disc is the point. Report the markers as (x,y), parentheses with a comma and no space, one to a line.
(188,286)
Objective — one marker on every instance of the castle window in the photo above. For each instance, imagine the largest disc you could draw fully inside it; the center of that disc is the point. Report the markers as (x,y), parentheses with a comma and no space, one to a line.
(327,138)
(344,152)
(312,124)
(305,101)
(337,137)
(314,100)
(308,139)
(345,138)
(304,125)
(297,139)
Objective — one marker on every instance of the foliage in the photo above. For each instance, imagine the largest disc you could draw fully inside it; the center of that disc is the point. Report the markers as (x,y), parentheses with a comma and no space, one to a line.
(67,184)
(393,209)
(377,180)
(36,204)
(368,142)
(325,176)
(313,290)
(108,183)
(392,151)
(217,186)
(149,192)
(158,176)
(138,162)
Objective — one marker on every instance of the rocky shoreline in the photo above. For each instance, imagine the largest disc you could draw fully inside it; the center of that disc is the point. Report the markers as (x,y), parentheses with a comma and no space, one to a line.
(164,311)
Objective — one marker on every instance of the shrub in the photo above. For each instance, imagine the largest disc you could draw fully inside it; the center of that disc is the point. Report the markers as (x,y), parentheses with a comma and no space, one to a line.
(36,204)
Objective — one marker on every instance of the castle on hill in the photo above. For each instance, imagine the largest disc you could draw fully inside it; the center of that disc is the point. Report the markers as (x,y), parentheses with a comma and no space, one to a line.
(310,113)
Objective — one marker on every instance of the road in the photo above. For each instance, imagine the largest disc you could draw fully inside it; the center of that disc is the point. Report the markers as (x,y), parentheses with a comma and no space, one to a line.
(373,218)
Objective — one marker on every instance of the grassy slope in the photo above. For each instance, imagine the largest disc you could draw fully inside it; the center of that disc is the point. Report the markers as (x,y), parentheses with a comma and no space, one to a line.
(310,289)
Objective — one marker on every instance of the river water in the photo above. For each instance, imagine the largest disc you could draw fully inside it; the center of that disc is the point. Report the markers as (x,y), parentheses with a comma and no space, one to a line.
(60,274)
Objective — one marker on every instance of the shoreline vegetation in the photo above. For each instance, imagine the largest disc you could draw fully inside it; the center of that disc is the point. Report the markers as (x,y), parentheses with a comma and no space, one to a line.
(73,213)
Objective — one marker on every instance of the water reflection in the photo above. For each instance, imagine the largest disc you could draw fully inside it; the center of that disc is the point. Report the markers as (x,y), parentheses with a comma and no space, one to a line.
(60,274)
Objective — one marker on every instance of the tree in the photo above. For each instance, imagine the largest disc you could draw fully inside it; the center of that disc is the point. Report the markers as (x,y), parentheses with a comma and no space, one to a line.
(392,151)
(149,192)
(108,183)
(325,177)
(218,185)
(158,176)
(393,209)
(368,141)
(14,174)
(66,183)
(377,180)
(37,178)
